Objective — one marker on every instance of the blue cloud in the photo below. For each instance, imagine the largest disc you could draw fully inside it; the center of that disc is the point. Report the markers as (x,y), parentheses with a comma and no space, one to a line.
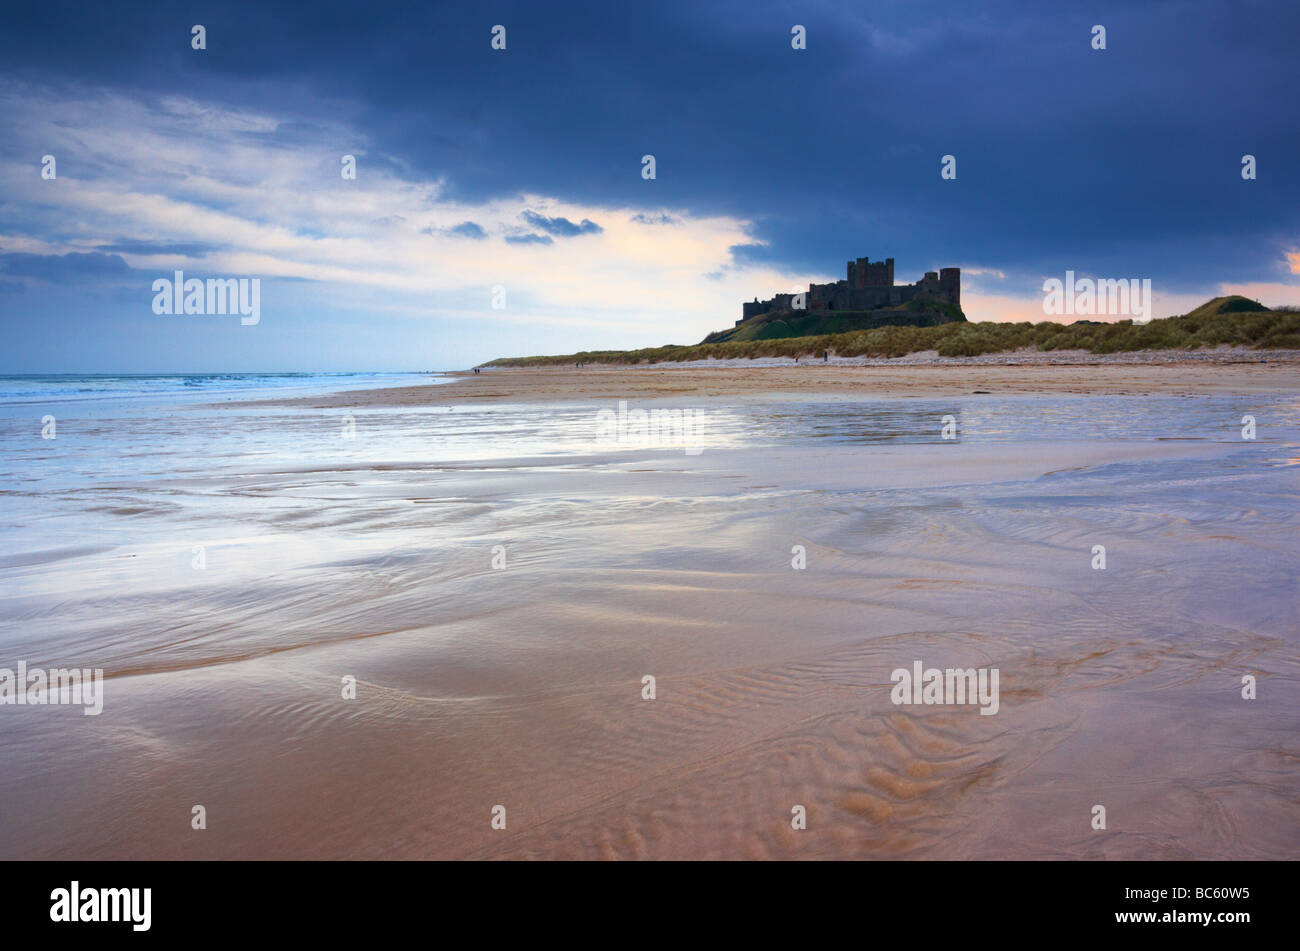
(644,219)
(126,246)
(469,229)
(529,239)
(61,268)
(561,227)
(466,229)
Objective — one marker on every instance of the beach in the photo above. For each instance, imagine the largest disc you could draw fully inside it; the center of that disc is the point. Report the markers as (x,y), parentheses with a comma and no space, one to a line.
(352,624)
(1225,371)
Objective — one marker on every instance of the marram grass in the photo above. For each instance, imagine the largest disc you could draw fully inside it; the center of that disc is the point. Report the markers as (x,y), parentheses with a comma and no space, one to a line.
(1223,320)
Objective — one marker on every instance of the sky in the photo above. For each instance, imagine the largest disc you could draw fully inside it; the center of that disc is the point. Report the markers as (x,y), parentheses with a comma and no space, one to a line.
(500,208)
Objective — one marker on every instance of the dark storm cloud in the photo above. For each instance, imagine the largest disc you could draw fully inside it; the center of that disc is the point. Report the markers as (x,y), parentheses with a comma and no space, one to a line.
(1123,161)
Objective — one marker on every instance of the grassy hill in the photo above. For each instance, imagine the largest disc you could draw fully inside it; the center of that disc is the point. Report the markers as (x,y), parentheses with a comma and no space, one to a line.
(802,323)
(1224,320)
(1234,304)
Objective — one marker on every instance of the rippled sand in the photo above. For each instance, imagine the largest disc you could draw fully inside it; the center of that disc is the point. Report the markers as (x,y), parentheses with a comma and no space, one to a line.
(522,686)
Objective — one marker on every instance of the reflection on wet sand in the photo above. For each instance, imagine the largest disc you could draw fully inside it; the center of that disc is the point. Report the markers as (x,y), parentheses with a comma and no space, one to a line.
(522,685)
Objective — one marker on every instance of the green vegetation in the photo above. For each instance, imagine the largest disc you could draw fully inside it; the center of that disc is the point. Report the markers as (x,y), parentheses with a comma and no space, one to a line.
(778,324)
(1236,321)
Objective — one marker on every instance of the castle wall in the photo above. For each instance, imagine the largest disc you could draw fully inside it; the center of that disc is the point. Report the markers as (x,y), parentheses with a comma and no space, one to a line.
(821,296)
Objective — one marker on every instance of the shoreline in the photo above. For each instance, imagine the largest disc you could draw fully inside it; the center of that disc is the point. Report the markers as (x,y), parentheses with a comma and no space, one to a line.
(1221,371)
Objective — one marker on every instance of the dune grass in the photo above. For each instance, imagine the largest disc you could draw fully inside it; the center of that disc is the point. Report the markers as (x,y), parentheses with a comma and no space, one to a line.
(1223,320)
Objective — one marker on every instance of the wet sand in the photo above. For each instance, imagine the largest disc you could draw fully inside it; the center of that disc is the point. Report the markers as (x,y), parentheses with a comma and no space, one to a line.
(521,685)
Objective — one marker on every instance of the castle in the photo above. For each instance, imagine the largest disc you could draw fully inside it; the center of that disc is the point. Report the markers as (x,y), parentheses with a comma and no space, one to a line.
(869,286)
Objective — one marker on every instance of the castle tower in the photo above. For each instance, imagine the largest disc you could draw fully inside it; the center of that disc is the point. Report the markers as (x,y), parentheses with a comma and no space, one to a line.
(950,281)
(862,273)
